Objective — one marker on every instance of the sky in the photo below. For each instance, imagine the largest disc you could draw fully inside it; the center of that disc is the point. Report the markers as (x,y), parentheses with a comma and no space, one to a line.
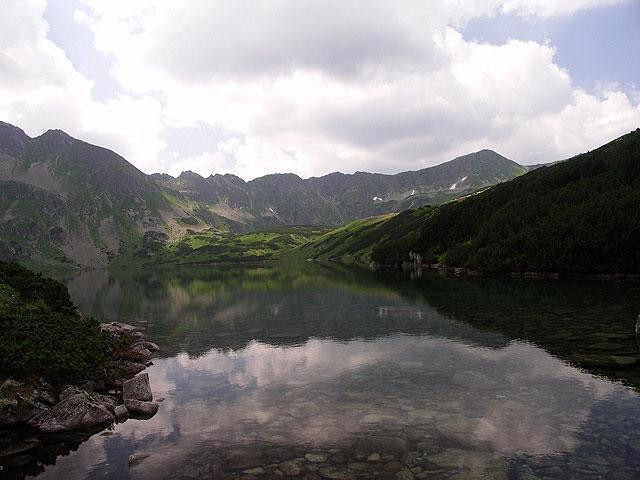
(252,87)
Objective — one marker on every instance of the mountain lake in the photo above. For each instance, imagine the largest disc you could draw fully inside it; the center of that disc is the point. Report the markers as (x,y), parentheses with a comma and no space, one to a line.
(329,372)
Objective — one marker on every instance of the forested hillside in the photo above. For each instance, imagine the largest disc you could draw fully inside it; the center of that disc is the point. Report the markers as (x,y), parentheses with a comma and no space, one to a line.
(577,216)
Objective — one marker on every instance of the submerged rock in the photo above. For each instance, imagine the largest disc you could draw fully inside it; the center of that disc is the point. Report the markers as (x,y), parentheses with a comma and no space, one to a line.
(137,388)
(244,458)
(334,473)
(474,380)
(605,361)
(315,457)
(137,458)
(77,411)
(290,469)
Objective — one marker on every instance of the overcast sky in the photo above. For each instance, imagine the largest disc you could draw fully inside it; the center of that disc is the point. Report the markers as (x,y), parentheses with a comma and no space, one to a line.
(314,86)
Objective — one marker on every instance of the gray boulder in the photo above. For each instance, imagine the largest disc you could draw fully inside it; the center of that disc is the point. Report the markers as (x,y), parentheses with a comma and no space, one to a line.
(147,409)
(117,329)
(137,352)
(152,347)
(70,391)
(137,388)
(21,401)
(76,411)
(121,413)
(130,368)
(106,401)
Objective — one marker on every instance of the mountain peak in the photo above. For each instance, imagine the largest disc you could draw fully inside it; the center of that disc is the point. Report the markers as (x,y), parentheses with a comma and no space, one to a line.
(190,175)
(12,139)
(55,139)
(7,127)
(55,133)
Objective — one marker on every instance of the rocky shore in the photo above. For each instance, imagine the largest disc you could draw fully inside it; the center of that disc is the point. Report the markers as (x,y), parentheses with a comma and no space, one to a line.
(119,391)
(416,268)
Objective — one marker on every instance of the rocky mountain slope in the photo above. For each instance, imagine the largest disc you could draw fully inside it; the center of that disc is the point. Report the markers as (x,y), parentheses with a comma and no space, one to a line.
(337,198)
(64,201)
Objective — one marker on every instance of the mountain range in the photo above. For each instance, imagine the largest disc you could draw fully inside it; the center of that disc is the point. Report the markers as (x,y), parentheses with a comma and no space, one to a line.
(65,201)
(578,216)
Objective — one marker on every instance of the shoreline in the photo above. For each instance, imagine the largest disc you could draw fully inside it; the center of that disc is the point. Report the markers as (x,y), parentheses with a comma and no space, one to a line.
(526,275)
(120,391)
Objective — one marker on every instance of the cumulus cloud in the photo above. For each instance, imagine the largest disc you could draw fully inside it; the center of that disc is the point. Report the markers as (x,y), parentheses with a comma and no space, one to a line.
(41,89)
(307,87)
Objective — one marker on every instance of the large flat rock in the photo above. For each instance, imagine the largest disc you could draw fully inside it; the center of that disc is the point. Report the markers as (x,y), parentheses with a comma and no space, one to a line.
(78,411)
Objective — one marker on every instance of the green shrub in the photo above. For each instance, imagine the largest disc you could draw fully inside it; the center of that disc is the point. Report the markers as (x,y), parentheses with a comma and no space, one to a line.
(41,331)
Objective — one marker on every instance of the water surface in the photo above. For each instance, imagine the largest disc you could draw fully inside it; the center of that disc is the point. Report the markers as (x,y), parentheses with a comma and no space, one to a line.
(336,373)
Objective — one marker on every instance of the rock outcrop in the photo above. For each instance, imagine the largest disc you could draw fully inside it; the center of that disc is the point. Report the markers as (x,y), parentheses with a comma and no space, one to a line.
(21,401)
(80,406)
(79,410)
(137,396)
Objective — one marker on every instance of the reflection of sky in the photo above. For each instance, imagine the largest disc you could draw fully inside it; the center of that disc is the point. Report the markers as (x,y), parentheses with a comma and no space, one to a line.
(517,399)
(306,360)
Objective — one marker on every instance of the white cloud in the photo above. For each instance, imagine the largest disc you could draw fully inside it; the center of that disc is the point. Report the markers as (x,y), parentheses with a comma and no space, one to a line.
(585,123)
(41,89)
(389,87)
(550,8)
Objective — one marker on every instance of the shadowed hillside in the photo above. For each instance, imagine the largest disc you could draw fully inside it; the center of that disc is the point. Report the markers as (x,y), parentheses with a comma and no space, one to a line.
(576,216)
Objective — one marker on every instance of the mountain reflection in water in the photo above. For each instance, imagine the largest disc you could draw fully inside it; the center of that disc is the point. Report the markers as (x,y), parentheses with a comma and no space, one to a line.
(371,375)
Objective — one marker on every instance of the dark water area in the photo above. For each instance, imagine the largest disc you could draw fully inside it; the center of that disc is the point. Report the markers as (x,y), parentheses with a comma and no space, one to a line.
(328,372)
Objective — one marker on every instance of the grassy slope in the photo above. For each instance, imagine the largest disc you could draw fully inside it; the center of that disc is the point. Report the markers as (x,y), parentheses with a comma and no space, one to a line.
(355,242)
(578,216)
(224,247)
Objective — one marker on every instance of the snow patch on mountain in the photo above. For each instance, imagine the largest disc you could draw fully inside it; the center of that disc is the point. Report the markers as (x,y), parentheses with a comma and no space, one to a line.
(455,185)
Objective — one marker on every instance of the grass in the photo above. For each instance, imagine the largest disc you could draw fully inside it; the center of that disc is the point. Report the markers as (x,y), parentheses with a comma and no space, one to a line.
(355,242)
(216,246)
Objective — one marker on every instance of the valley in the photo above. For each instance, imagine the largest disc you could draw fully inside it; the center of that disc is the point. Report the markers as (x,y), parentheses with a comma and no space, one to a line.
(320,240)
(67,204)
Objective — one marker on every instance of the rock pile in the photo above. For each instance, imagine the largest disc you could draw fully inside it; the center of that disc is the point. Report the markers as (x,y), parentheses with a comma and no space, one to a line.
(125,391)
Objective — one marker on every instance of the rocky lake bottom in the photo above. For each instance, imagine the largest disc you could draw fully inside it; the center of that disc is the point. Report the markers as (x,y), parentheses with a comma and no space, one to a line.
(330,373)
